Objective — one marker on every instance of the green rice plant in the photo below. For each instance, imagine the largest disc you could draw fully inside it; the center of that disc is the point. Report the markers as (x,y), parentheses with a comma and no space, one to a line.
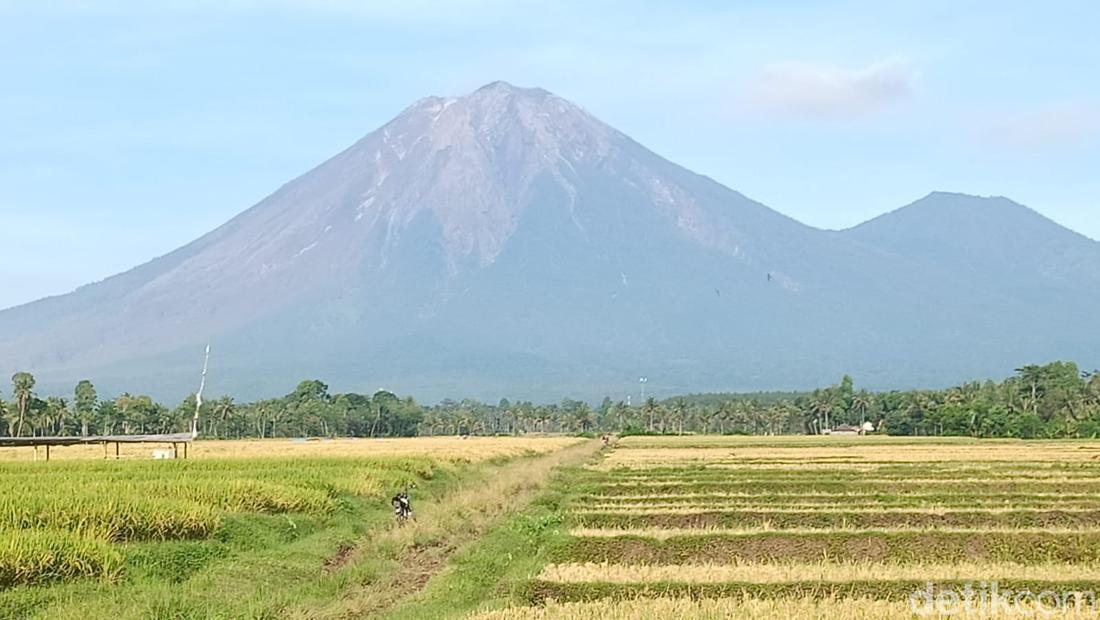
(33,557)
(182,500)
(118,518)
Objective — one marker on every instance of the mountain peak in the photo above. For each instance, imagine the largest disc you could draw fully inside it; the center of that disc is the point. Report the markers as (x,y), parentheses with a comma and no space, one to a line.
(940,210)
(493,93)
(500,86)
(499,110)
(983,232)
(466,164)
(945,194)
(962,198)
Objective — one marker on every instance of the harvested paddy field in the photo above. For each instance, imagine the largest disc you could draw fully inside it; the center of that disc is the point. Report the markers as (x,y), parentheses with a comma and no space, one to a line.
(867,527)
(739,608)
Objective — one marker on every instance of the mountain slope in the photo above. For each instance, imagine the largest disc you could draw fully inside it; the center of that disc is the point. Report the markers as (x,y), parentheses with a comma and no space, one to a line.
(986,236)
(1031,286)
(507,242)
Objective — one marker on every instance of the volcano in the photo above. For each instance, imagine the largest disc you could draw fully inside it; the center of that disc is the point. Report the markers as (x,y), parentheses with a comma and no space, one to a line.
(507,242)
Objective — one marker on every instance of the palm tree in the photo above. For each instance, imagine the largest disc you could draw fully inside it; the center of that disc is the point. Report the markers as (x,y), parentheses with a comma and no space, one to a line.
(84,403)
(56,412)
(756,415)
(1032,378)
(738,416)
(23,391)
(620,410)
(651,409)
(821,406)
(776,415)
(726,413)
(1092,390)
(710,417)
(861,402)
(679,413)
(921,405)
(582,417)
(224,408)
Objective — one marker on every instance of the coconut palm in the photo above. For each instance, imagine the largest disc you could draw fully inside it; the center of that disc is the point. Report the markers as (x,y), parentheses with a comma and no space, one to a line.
(861,402)
(23,391)
(223,409)
(821,406)
(651,410)
(679,414)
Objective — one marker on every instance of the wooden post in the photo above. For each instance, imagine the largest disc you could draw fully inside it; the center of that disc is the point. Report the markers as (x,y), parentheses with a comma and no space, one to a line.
(116,451)
(105,455)
(47,452)
(185,450)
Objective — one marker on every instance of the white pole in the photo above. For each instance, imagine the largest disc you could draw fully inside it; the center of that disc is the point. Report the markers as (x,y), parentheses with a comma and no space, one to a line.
(198,395)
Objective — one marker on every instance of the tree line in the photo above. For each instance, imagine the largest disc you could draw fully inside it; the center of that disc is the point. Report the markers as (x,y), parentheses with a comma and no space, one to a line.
(1050,401)
(1039,401)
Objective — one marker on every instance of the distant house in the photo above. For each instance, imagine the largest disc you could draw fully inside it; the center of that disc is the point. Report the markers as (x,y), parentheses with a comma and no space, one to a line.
(845,429)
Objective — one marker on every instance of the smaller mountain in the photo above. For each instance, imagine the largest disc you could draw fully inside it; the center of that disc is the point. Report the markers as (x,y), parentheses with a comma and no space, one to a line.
(1010,284)
(985,237)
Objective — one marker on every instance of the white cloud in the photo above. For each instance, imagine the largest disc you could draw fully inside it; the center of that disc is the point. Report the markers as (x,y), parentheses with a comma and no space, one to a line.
(1051,126)
(827,92)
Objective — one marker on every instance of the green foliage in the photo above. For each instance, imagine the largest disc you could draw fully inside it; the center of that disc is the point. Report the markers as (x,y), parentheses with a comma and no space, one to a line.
(85,400)
(1055,400)
(23,393)
(534,526)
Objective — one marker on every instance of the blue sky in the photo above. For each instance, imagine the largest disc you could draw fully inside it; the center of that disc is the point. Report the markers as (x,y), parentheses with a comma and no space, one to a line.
(126,130)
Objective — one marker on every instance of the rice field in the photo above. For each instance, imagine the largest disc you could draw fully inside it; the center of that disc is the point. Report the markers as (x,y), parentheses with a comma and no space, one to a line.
(741,609)
(455,449)
(81,516)
(819,527)
(656,527)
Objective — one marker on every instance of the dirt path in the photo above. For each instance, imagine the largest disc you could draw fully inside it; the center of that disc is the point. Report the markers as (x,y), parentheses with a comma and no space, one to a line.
(421,549)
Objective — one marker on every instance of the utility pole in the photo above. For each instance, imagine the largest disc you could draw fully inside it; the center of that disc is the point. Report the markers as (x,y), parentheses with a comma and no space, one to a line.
(198,395)
(642,381)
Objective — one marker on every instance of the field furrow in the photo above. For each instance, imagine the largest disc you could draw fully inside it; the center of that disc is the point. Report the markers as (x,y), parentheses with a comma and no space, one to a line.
(790,527)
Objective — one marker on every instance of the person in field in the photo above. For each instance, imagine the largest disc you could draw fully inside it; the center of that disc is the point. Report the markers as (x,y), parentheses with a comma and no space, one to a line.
(402,506)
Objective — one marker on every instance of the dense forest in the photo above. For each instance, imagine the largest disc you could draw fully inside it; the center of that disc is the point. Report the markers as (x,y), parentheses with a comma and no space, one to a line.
(1055,400)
